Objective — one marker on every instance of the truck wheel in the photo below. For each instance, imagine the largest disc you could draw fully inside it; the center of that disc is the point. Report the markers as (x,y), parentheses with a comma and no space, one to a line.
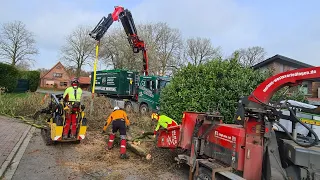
(143,109)
(128,106)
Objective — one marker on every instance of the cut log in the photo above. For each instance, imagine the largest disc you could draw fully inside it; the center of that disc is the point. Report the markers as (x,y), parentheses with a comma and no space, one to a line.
(138,150)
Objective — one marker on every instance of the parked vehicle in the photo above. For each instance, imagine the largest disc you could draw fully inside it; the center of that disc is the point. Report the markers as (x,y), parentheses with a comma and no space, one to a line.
(127,89)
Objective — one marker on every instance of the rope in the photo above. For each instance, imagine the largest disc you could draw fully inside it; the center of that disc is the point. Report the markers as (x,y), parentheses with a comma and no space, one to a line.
(94,76)
(24,120)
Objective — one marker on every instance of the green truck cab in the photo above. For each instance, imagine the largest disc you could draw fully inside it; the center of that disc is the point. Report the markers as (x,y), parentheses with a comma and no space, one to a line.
(128,90)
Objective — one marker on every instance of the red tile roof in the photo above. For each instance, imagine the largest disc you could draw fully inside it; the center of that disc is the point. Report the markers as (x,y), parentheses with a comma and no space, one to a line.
(83,80)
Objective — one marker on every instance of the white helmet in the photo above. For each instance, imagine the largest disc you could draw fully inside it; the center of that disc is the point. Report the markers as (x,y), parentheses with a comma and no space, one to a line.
(116,108)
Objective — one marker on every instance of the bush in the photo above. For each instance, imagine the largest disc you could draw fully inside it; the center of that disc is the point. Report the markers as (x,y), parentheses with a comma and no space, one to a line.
(218,84)
(33,77)
(9,77)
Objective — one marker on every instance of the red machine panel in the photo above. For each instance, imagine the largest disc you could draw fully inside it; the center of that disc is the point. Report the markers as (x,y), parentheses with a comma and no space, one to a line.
(226,143)
(169,138)
(187,127)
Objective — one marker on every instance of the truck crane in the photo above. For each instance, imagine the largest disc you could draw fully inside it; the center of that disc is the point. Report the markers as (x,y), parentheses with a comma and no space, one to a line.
(126,19)
(123,87)
(250,149)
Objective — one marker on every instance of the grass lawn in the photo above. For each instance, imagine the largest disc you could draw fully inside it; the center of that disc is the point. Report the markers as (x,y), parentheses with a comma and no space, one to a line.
(14,95)
(21,103)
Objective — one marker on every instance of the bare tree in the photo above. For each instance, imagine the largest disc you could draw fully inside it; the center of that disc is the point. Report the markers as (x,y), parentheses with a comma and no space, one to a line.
(17,44)
(251,56)
(163,44)
(169,46)
(199,50)
(23,66)
(79,48)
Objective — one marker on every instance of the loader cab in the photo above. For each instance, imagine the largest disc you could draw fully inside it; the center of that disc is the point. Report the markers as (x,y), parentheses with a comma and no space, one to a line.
(149,92)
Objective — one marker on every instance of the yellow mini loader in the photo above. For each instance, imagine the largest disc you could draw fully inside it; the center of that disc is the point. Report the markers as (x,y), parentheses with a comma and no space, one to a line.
(52,133)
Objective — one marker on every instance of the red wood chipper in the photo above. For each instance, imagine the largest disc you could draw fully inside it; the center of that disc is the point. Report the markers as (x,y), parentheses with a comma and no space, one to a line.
(250,149)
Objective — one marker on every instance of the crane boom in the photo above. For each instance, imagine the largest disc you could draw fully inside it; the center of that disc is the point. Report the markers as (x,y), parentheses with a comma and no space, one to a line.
(125,16)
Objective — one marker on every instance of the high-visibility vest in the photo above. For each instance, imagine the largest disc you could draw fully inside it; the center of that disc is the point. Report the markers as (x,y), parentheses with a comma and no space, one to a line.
(74,94)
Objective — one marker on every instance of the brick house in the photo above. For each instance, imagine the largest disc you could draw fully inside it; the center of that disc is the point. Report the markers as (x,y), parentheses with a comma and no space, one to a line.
(56,76)
(279,63)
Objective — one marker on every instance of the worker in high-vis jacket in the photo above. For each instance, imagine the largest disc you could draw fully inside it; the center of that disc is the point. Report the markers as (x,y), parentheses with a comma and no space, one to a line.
(72,97)
(163,121)
(120,122)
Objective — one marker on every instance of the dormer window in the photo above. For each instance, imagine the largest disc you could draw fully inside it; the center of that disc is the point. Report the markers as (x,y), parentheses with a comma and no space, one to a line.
(57,75)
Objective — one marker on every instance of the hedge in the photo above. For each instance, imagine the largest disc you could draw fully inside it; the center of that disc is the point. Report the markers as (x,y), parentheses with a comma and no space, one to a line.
(9,77)
(33,77)
(217,84)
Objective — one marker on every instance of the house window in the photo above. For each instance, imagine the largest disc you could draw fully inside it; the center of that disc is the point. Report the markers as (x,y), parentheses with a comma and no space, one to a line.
(63,83)
(49,82)
(281,68)
(57,75)
(304,88)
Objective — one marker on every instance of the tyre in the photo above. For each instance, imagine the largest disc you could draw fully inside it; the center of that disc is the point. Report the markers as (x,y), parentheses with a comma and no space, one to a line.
(144,109)
(46,134)
(203,174)
(206,174)
(128,106)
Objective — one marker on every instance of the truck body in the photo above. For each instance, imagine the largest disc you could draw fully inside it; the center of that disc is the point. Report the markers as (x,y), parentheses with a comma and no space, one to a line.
(127,89)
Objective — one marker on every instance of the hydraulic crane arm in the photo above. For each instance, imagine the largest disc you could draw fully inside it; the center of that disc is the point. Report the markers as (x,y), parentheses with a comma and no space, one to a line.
(265,90)
(126,19)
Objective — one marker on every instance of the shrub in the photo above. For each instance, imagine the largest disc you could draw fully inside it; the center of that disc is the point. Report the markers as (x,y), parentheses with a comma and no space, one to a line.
(9,77)
(217,84)
(33,77)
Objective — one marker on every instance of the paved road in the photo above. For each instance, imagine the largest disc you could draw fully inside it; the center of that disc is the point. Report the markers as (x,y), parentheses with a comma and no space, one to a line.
(48,162)
(12,134)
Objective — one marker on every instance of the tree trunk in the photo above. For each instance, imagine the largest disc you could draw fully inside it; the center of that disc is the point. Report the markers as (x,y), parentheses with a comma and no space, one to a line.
(138,150)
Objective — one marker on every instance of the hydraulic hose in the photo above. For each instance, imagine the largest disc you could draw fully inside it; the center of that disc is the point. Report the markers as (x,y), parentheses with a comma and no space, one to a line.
(315,142)
(306,145)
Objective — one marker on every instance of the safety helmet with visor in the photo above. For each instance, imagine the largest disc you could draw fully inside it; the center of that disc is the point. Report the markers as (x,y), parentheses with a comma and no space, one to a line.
(75,83)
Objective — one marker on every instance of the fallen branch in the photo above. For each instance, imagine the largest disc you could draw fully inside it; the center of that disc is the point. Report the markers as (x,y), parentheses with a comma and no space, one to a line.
(145,134)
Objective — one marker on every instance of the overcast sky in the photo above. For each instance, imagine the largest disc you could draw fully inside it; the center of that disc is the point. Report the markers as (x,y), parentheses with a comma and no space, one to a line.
(288,27)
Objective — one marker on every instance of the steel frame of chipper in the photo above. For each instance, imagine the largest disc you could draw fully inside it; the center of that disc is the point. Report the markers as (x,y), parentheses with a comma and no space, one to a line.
(249,149)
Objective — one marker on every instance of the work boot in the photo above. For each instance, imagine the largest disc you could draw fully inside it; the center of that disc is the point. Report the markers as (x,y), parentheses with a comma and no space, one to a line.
(124,156)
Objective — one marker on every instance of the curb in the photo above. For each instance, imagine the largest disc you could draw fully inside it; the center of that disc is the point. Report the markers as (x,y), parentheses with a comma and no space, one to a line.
(7,162)
(16,160)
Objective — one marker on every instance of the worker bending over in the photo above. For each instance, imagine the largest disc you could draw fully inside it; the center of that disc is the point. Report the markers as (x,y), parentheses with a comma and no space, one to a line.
(120,122)
(72,97)
(163,121)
